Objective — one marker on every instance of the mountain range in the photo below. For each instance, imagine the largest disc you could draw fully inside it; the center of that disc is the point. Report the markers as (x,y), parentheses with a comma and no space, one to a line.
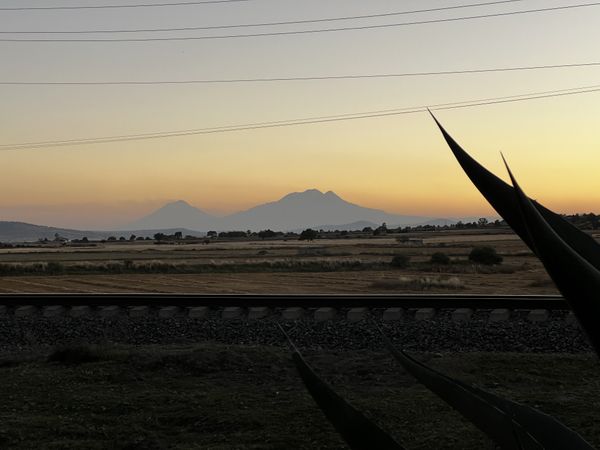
(295,211)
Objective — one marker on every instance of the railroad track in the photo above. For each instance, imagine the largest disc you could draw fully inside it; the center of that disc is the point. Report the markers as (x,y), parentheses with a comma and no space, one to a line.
(338,301)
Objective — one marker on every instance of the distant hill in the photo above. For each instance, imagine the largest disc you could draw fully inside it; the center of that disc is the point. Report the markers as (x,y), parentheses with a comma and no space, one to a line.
(298,210)
(21,231)
(27,232)
(175,215)
(310,209)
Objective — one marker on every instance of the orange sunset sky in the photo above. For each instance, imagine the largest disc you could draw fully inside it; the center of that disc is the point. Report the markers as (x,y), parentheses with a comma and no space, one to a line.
(397,163)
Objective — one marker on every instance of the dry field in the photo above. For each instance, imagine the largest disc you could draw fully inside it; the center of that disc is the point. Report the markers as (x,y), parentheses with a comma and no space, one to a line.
(209,396)
(279,266)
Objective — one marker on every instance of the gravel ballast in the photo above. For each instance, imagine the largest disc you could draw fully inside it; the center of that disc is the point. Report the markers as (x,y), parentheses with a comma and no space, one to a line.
(439,334)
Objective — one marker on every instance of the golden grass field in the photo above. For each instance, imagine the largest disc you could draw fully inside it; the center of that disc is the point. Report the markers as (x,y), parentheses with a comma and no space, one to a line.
(355,265)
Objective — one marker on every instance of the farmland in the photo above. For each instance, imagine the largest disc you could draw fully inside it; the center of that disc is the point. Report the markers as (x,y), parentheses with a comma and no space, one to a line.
(220,397)
(151,383)
(354,265)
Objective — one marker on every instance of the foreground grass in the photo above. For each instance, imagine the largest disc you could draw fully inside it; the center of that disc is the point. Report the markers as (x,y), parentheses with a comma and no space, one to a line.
(223,397)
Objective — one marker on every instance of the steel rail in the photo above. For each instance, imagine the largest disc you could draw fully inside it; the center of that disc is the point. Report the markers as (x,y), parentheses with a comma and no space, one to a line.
(407,301)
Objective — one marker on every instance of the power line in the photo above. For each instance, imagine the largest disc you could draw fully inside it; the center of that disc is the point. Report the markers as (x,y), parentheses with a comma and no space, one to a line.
(300,32)
(265,24)
(307,78)
(142,5)
(304,121)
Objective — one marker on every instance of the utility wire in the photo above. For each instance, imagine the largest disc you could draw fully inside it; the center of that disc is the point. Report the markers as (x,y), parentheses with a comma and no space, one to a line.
(304,121)
(307,78)
(266,24)
(142,5)
(300,32)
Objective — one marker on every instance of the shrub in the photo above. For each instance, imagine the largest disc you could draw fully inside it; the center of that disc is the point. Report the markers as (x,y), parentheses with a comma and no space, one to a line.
(308,235)
(485,255)
(54,267)
(422,283)
(75,355)
(440,258)
(400,261)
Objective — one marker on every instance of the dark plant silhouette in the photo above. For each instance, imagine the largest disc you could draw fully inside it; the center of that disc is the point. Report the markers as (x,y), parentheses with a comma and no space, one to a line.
(511,425)
(485,255)
(571,258)
(358,431)
(502,198)
(400,261)
(576,278)
(440,258)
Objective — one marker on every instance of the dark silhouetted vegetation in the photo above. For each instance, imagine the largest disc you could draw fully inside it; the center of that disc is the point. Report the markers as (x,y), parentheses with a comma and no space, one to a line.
(440,258)
(485,255)
(308,235)
(400,261)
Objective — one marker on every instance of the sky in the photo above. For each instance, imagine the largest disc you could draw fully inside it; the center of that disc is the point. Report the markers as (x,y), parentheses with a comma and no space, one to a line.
(398,163)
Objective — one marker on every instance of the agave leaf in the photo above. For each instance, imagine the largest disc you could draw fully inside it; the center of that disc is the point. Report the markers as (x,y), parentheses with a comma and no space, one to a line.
(549,432)
(502,198)
(546,431)
(358,431)
(577,279)
(495,422)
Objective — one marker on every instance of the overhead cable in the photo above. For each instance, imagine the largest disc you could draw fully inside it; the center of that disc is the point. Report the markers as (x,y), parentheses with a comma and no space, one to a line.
(304,121)
(114,6)
(303,32)
(265,24)
(298,78)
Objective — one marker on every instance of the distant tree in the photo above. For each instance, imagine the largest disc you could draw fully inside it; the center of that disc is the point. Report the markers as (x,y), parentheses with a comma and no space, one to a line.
(308,235)
(400,261)
(84,239)
(367,230)
(482,222)
(232,234)
(266,234)
(178,235)
(132,237)
(54,267)
(380,229)
(159,236)
(111,238)
(139,238)
(212,234)
(122,238)
(485,255)
(440,258)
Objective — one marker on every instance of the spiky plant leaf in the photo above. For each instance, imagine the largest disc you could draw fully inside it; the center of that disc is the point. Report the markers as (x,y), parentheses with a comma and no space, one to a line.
(502,198)
(500,426)
(574,276)
(548,431)
(529,426)
(358,431)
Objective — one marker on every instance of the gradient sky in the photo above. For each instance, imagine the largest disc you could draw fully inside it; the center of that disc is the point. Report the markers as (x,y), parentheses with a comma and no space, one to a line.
(398,163)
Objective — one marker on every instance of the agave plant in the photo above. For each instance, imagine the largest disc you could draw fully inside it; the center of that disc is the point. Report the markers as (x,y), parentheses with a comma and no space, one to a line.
(571,258)
(359,432)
